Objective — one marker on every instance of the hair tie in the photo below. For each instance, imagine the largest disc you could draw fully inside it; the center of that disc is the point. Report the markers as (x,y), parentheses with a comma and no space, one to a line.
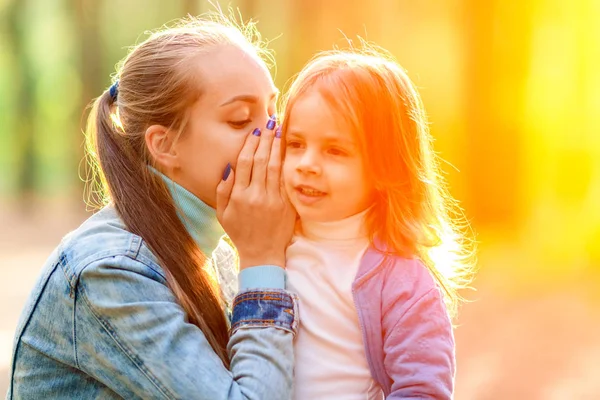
(114,90)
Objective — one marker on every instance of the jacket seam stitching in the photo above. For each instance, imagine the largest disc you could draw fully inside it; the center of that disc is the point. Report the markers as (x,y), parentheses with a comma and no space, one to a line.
(145,261)
(112,333)
(359,281)
(21,328)
(47,354)
(140,257)
(413,305)
(148,263)
(361,319)
(75,330)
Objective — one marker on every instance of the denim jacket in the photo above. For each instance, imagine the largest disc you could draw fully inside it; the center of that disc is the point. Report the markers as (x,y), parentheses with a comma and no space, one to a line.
(406,329)
(101,322)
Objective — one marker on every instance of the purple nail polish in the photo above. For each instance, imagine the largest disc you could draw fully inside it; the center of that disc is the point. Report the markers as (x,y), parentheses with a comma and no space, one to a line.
(278,133)
(227,171)
(256,132)
(271,123)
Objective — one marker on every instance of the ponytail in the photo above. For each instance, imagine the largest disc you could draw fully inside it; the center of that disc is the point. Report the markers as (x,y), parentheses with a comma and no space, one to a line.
(146,207)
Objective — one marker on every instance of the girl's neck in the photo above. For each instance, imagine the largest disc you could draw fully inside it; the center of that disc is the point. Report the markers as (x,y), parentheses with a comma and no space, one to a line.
(348,229)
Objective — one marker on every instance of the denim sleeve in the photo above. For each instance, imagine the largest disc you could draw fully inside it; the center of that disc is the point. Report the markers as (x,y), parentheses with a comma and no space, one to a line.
(419,351)
(132,335)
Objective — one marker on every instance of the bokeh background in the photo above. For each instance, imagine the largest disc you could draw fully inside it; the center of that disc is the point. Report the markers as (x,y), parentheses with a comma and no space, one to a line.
(512,90)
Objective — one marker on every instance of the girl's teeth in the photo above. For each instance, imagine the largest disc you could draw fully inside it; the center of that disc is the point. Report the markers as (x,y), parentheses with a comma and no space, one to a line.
(310,192)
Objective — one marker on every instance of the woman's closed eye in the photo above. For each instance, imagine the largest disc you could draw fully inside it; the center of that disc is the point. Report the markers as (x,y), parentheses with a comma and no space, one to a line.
(239,124)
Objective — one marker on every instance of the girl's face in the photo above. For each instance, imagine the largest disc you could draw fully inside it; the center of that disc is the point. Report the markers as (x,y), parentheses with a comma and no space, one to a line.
(238,95)
(324,170)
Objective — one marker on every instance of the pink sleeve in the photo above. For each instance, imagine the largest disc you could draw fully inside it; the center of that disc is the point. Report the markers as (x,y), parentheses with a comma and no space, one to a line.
(419,354)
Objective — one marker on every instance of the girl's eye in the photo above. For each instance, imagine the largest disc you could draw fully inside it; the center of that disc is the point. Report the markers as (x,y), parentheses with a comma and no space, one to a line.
(294,144)
(337,152)
(239,124)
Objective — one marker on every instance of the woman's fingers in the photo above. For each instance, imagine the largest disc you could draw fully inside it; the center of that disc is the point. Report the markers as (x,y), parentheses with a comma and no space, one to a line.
(274,177)
(258,217)
(261,157)
(245,160)
(224,189)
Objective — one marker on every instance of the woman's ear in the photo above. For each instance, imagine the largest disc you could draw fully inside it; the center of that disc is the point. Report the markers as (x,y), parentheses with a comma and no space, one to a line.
(160,143)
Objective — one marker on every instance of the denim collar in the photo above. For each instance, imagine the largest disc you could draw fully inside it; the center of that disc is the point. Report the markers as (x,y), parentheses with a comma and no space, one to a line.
(199,218)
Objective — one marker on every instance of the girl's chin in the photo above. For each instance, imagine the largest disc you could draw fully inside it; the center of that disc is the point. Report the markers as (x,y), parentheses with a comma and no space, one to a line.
(313,215)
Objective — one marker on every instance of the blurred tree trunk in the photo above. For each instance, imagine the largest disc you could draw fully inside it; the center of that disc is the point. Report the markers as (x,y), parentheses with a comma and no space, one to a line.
(191,7)
(498,40)
(25,103)
(321,25)
(248,8)
(93,80)
(304,39)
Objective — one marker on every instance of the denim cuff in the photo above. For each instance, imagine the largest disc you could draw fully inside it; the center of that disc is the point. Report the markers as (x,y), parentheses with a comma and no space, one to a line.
(264,309)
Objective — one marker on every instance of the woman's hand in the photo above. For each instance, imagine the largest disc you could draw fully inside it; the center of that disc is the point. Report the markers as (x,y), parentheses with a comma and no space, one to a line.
(252,205)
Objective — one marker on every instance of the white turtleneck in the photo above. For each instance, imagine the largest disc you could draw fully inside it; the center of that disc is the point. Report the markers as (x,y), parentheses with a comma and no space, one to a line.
(321,265)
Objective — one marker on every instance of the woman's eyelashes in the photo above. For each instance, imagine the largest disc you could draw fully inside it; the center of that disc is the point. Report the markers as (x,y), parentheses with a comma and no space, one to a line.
(239,124)
(243,123)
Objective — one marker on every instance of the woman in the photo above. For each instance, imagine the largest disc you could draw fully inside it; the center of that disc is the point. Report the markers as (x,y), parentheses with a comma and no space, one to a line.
(127,306)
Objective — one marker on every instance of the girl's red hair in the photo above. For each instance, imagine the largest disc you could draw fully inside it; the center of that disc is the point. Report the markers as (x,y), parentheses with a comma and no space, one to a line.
(414,215)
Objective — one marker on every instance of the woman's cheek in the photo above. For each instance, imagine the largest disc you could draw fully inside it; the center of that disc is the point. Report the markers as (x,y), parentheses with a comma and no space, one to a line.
(234,147)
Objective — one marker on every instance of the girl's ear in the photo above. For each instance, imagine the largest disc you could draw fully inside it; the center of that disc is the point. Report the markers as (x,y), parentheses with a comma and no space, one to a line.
(159,141)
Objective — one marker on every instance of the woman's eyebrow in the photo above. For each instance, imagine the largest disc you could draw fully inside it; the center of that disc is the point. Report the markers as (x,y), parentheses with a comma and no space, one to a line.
(248,98)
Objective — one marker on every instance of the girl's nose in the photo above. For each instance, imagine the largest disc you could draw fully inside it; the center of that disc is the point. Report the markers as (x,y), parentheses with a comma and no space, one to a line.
(309,164)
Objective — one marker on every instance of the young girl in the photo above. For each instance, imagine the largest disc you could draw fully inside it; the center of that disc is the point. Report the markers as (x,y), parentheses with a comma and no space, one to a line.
(124,307)
(376,259)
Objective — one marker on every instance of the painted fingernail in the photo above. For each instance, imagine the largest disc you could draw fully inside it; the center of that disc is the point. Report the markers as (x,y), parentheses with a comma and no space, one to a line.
(227,171)
(256,132)
(271,123)
(278,133)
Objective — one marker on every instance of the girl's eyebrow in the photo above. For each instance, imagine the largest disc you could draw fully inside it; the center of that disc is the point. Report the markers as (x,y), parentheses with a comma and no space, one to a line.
(294,133)
(339,140)
(327,138)
(335,139)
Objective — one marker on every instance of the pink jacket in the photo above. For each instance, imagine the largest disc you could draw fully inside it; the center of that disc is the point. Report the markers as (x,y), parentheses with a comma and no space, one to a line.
(406,328)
